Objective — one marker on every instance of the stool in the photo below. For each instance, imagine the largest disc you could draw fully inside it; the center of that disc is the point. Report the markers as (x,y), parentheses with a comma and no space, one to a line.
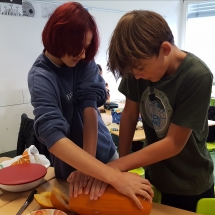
(210,146)
(206,206)
(157,195)
(140,171)
(212,102)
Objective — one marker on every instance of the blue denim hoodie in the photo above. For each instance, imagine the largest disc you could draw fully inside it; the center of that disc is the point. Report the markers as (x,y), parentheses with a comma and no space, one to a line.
(59,96)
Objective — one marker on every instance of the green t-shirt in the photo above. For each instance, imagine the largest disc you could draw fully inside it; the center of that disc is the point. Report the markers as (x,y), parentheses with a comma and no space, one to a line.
(183,99)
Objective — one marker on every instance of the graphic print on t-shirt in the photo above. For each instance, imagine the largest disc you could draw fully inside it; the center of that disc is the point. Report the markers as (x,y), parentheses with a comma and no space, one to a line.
(156,110)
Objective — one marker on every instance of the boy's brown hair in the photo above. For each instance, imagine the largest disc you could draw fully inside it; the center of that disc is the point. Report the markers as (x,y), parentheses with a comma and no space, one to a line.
(138,35)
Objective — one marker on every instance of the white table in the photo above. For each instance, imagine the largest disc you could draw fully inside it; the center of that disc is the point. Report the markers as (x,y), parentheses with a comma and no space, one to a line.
(107,118)
(211,123)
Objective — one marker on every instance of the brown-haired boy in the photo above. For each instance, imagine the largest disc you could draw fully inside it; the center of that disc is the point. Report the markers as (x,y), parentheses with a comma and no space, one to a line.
(171,88)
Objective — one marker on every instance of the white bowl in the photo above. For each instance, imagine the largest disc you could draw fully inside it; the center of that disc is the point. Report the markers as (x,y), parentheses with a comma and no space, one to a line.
(21,177)
(47,212)
(21,187)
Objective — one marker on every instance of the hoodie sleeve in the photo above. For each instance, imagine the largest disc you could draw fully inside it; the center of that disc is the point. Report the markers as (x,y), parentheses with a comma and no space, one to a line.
(91,90)
(49,125)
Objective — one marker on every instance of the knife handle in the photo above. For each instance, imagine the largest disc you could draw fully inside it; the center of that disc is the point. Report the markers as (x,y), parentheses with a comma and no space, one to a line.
(31,196)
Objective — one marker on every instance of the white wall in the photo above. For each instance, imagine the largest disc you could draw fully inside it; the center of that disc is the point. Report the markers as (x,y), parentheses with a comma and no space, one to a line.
(107,20)
(20,44)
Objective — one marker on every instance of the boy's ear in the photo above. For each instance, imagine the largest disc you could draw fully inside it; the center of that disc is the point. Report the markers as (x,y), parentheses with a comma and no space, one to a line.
(166,48)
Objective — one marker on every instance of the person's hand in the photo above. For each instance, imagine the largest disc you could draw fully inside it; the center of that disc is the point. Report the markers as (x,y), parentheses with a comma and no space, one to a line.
(95,188)
(77,180)
(131,184)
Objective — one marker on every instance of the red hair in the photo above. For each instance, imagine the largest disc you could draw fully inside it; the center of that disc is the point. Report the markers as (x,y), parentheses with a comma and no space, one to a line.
(65,31)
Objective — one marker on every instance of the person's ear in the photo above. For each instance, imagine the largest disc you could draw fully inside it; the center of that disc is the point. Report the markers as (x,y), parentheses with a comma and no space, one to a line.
(166,48)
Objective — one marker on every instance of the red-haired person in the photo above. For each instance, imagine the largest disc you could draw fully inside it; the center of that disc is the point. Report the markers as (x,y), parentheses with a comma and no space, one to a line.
(66,89)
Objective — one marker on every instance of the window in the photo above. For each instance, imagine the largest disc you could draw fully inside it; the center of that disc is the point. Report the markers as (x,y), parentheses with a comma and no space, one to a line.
(200,31)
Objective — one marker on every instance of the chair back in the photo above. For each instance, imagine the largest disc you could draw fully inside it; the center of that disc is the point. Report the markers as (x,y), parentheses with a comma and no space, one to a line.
(27,137)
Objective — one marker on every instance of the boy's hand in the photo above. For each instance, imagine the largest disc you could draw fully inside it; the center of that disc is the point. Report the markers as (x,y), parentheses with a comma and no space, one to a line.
(131,184)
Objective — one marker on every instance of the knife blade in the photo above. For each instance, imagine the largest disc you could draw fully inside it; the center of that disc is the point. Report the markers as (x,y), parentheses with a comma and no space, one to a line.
(27,202)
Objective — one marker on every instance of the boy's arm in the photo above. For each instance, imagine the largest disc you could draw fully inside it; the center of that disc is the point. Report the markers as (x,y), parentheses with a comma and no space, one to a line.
(128,124)
(170,146)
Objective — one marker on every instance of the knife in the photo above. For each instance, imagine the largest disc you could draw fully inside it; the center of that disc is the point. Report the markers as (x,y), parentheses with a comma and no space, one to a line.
(27,202)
